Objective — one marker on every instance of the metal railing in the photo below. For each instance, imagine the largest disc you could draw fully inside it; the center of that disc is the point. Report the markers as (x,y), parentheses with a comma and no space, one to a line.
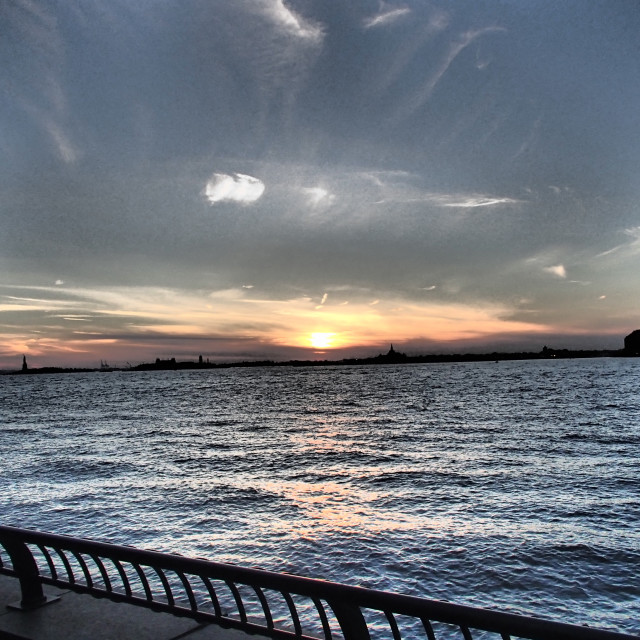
(270,604)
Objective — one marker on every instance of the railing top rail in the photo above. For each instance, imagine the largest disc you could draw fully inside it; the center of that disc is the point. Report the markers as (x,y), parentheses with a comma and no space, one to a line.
(435,610)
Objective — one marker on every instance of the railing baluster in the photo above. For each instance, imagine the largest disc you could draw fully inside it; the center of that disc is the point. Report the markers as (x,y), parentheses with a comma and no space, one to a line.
(265,606)
(394,625)
(466,634)
(85,569)
(165,584)
(428,629)
(143,581)
(293,611)
(103,571)
(188,590)
(212,596)
(67,565)
(49,559)
(351,620)
(238,598)
(326,629)
(123,576)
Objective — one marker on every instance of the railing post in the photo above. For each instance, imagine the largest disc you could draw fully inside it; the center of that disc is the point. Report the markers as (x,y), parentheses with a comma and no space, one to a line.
(26,569)
(351,620)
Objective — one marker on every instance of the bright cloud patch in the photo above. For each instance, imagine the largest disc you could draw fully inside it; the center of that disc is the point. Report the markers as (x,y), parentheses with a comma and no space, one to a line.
(558,270)
(237,187)
(291,21)
(318,196)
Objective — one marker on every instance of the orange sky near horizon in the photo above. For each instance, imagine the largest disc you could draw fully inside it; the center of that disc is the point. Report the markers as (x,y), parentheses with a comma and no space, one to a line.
(64,326)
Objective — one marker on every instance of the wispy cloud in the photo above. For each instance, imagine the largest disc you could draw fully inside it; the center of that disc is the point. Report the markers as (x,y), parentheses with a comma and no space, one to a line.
(456,46)
(66,149)
(236,187)
(401,186)
(39,92)
(437,23)
(631,247)
(470,201)
(386,15)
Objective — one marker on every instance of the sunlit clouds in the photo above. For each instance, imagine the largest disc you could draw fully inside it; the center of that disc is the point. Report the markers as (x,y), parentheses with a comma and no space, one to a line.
(235,188)
(84,321)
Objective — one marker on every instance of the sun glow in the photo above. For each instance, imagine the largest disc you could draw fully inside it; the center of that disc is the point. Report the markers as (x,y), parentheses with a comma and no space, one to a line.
(321,340)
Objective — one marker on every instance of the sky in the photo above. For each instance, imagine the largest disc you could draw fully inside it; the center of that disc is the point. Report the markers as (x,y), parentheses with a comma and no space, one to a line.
(277,179)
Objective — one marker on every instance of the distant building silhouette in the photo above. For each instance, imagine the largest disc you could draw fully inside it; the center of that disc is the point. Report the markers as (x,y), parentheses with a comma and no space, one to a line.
(24,363)
(632,343)
(391,357)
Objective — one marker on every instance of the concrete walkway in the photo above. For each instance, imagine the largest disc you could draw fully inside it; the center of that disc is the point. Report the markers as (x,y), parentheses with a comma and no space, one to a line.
(82,617)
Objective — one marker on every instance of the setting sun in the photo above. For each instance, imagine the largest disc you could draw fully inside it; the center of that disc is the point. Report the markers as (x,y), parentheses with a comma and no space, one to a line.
(321,340)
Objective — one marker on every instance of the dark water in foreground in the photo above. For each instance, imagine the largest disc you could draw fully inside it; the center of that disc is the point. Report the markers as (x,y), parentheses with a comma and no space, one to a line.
(513,486)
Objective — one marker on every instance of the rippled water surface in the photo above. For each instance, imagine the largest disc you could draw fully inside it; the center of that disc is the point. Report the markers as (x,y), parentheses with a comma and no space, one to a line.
(512,485)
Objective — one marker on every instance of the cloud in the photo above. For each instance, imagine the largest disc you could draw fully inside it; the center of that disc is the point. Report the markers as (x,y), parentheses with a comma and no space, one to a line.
(40,55)
(237,187)
(405,187)
(632,247)
(318,196)
(634,232)
(292,22)
(281,47)
(322,301)
(65,147)
(385,16)
(456,46)
(470,201)
(558,270)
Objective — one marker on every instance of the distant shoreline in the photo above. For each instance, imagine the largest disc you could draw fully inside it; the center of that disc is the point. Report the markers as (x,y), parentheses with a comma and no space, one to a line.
(389,358)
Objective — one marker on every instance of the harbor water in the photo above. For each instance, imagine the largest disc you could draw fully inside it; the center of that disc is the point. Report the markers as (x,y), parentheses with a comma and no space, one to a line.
(512,485)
